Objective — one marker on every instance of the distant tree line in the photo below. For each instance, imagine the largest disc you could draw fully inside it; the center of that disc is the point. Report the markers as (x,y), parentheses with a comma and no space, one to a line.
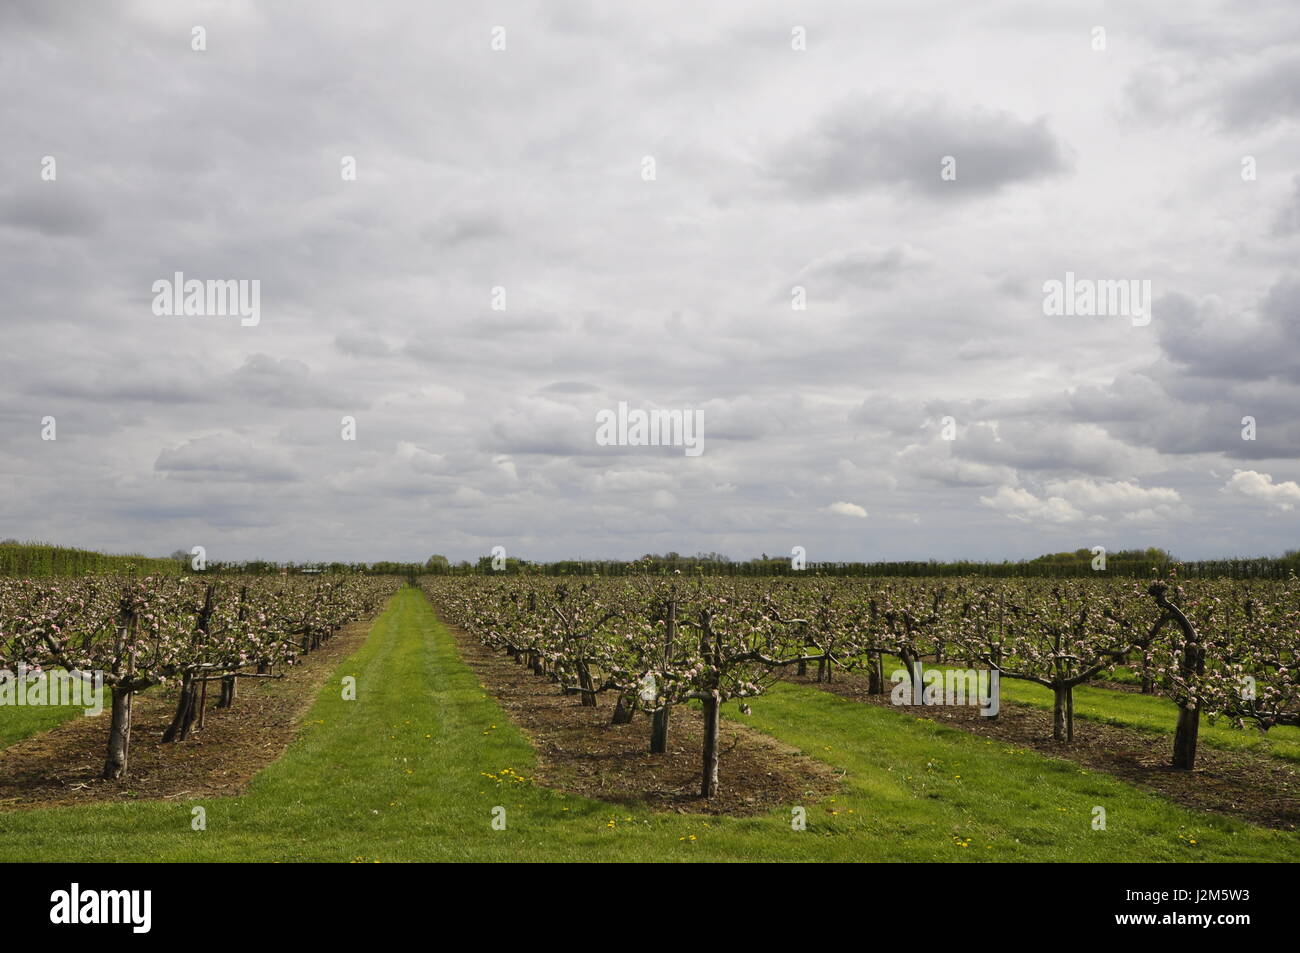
(41,559)
(1134,563)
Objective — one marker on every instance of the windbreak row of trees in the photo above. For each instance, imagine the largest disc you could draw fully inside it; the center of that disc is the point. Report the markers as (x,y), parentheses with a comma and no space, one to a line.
(187,631)
(42,560)
(1217,648)
(1129,564)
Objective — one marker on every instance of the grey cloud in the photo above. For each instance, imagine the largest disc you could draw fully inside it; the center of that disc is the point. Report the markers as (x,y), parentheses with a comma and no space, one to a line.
(225,457)
(58,209)
(570,387)
(1051,445)
(362,344)
(1209,342)
(874,142)
(861,268)
(1235,91)
(285,382)
(463,227)
(1287,221)
(1267,92)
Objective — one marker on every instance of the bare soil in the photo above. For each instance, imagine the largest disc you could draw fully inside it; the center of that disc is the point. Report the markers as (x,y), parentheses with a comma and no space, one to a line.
(580,752)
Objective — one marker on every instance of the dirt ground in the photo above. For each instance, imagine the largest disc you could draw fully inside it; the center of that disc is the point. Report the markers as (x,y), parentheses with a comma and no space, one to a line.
(580,752)
(62,765)
(1241,784)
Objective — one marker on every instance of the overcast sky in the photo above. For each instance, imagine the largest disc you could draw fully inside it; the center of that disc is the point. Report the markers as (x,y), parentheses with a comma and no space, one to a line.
(774,167)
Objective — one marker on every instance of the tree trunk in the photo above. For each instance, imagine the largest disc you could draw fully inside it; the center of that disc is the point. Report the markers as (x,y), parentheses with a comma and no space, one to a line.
(915,673)
(228,690)
(876,675)
(1189,725)
(712,730)
(1192,668)
(119,735)
(180,723)
(203,707)
(659,721)
(1062,717)
(623,711)
(584,679)
(659,731)
(801,669)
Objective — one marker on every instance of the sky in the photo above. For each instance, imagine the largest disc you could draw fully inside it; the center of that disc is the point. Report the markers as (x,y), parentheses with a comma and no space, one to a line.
(824,229)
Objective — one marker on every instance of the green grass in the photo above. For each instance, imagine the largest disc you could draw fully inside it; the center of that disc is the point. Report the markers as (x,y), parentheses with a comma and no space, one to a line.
(22,721)
(399,774)
(1148,713)
(19,723)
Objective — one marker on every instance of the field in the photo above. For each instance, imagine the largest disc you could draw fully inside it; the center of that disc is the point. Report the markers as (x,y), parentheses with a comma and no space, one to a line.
(426,764)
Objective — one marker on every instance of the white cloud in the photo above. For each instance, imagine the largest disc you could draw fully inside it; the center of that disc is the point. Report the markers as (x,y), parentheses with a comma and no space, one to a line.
(1116,494)
(847,509)
(1020,504)
(1260,486)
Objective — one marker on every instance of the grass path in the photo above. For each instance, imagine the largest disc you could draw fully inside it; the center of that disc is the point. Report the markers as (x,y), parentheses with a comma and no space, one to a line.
(399,774)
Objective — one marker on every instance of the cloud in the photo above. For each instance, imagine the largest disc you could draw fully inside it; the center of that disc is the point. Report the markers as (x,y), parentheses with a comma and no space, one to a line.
(1019,504)
(476,427)
(1287,221)
(1081,498)
(1044,444)
(361,344)
(871,142)
(861,268)
(937,463)
(286,382)
(570,387)
(847,509)
(1260,486)
(1233,91)
(226,457)
(1259,344)
(1263,91)
(58,209)
(1095,494)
